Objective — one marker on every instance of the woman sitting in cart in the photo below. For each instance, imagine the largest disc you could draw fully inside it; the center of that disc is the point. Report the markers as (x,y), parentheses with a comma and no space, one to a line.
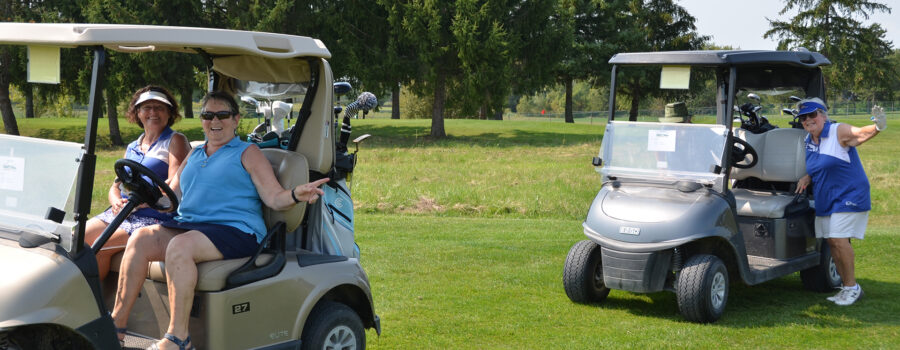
(224,184)
(160,149)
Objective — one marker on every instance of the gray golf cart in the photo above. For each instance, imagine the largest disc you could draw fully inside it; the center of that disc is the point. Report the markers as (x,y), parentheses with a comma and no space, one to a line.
(286,296)
(691,208)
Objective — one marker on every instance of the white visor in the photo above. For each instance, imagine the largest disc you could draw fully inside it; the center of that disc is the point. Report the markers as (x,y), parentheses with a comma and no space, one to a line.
(153,95)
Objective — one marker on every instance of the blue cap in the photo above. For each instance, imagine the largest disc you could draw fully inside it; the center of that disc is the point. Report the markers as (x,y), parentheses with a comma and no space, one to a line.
(809,106)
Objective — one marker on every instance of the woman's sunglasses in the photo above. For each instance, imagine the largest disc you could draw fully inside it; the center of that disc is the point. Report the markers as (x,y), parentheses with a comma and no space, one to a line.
(221,115)
(803,117)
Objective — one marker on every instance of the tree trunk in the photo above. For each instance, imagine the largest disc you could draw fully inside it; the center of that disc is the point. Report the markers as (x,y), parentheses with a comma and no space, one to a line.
(498,115)
(635,104)
(28,91)
(9,119)
(187,103)
(437,111)
(113,116)
(395,102)
(570,117)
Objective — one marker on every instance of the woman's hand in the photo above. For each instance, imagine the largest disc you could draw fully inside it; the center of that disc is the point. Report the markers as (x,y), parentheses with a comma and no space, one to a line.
(803,183)
(309,192)
(117,205)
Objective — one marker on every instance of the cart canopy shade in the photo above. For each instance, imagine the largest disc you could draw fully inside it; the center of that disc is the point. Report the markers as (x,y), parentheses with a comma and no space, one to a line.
(137,38)
(722,58)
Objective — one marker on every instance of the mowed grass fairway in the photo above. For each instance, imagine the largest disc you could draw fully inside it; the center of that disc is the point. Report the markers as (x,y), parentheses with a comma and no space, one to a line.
(464,241)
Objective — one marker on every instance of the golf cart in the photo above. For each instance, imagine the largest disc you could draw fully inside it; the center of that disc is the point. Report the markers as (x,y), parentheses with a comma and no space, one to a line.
(692,207)
(291,294)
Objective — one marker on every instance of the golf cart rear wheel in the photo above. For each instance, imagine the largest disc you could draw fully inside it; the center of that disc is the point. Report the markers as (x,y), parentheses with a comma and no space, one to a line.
(583,274)
(702,288)
(333,325)
(823,277)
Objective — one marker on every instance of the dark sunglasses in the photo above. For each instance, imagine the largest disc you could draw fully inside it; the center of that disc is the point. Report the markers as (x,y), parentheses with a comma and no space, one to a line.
(803,117)
(221,115)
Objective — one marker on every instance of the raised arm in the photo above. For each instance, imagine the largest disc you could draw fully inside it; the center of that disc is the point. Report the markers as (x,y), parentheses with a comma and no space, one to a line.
(851,136)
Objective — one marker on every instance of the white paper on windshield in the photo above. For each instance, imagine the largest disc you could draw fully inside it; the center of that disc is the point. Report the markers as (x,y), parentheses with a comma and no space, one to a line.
(661,140)
(12,173)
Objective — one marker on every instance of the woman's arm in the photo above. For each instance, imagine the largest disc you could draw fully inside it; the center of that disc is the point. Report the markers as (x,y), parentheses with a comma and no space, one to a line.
(178,151)
(851,136)
(270,191)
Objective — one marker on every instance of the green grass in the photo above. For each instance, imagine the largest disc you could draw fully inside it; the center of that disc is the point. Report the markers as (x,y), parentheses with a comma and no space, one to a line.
(464,241)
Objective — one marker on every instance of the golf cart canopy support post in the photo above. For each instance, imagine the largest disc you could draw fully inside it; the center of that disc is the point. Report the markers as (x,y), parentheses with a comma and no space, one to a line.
(89,159)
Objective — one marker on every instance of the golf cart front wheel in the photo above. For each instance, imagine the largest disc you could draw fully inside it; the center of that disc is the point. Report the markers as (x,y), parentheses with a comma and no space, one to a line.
(583,274)
(333,325)
(823,277)
(702,288)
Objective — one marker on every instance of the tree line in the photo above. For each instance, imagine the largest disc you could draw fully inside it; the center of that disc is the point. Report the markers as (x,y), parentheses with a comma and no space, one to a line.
(463,57)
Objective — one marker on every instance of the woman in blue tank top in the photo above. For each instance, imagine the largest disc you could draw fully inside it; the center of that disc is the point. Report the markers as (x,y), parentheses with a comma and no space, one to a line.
(160,149)
(223,185)
(840,186)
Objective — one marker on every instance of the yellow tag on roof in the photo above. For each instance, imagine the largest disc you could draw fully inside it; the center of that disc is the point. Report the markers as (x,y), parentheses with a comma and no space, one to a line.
(675,77)
(43,64)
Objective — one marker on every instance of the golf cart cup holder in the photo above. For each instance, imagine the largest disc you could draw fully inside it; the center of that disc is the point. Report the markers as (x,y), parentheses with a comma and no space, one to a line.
(144,185)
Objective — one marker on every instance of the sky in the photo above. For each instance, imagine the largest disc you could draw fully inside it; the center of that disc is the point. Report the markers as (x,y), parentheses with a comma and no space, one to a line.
(742,23)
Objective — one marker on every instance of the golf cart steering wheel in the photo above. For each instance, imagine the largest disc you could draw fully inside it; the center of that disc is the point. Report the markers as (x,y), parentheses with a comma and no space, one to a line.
(738,154)
(143,191)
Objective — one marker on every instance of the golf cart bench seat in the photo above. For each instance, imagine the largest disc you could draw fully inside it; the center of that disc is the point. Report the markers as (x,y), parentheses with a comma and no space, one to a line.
(291,169)
(782,158)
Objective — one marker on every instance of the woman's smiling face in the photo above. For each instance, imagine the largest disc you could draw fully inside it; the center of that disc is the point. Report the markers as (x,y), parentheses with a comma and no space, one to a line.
(219,130)
(813,123)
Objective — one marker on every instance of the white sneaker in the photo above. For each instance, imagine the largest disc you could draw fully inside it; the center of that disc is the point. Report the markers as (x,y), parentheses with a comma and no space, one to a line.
(838,295)
(848,296)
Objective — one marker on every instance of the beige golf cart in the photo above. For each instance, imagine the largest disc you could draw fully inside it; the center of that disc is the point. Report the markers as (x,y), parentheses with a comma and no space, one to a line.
(291,294)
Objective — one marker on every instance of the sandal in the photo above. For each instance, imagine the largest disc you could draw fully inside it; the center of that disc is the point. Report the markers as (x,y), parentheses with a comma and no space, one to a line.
(122,331)
(182,344)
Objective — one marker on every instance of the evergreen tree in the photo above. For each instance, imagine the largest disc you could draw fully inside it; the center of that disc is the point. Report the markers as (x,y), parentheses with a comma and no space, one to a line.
(858,53)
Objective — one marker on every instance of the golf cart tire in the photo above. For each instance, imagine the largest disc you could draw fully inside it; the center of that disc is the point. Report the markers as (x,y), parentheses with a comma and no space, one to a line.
(823,277)
(332,325)
(702,289)
(583,273)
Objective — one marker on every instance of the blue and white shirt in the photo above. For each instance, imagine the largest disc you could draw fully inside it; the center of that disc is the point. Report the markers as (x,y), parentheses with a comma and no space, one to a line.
(156,159)
(839,182)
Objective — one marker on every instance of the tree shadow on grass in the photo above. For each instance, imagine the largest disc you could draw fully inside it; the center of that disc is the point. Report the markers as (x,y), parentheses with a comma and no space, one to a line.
(782,302)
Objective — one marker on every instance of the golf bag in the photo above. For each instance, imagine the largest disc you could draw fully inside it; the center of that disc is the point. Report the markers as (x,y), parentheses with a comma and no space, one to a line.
(330,225)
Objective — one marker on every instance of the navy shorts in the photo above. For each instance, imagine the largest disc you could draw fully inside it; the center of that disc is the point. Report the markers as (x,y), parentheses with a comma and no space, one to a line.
(231,242)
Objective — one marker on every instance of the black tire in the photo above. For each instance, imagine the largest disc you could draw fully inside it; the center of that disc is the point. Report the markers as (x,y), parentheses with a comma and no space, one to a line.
(823,277)
(583,274)
(702,288)
(333,325)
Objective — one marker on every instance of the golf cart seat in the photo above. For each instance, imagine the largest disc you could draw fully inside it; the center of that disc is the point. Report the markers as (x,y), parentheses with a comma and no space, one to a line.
(291,169)
(782,159)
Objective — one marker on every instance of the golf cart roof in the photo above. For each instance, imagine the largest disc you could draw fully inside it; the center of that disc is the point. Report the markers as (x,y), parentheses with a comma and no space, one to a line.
(139,38)
(722,58)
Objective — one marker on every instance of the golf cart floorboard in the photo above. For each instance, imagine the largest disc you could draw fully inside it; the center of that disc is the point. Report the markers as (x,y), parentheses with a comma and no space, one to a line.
(136,341)
(762,263)
(764,269)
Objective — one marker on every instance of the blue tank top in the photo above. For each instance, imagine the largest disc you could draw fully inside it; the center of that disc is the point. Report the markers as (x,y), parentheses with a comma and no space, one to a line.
(839,182)
(218,190)
(156,159)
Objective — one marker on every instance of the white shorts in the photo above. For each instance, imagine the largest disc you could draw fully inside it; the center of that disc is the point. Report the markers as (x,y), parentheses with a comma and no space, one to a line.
(842,225)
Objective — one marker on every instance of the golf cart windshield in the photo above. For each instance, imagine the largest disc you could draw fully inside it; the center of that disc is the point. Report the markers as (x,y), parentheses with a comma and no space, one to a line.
(664,152)
(35,175)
